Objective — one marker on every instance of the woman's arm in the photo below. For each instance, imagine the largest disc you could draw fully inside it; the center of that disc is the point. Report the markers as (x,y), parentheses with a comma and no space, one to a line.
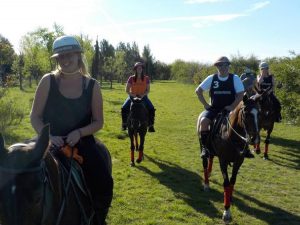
(39,102)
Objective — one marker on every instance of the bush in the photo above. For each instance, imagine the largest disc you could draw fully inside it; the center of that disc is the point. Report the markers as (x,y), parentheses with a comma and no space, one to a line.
(11,113)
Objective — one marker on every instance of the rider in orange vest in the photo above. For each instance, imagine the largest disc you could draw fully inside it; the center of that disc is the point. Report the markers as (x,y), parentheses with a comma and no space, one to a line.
(138,85)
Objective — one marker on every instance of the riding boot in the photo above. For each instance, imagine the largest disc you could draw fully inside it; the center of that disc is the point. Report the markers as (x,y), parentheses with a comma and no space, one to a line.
(101,206)
(278,117)
(124,114)
(151,120)
(203,144)
(247,153)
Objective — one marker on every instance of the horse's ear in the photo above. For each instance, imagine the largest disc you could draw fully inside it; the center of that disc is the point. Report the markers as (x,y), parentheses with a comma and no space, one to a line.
(42,142)
(245,97)
(1,143)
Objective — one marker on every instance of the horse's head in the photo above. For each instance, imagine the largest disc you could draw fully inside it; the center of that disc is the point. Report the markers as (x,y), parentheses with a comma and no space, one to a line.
(138,114)
(21,181)
(250,119)
(265,102)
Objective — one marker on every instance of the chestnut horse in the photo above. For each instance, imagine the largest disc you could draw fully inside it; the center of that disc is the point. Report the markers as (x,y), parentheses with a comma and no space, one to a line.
(228,141)
(37,190)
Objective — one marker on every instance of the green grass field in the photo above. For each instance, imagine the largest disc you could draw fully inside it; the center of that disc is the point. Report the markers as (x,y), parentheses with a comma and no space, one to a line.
(166,188)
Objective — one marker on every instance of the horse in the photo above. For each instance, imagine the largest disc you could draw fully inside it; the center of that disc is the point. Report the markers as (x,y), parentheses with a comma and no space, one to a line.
(227,140)
(137,124)
(35,189)
(266,121)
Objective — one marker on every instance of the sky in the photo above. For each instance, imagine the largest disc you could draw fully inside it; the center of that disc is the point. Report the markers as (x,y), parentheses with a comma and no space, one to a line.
(191,30)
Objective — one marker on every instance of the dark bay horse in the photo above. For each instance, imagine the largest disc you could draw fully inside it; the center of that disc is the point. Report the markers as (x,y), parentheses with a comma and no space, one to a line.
(267,119)
(137,124)
(35,190)
(227,141)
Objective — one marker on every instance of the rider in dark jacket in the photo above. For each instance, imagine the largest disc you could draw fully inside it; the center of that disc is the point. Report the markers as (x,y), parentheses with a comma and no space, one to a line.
(226,92)
(267,81)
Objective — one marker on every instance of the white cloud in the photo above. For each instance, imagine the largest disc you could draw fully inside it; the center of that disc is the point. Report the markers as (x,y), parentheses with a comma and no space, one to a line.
(202,1)
(258,6)
(212,18)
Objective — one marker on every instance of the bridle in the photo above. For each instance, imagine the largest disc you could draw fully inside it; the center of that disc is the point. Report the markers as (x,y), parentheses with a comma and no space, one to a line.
(15,172)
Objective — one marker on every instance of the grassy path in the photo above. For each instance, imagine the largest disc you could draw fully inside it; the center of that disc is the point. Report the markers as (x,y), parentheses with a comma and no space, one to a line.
(166,188)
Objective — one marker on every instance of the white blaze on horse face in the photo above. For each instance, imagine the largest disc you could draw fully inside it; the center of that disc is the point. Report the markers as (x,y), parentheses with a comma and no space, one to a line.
(13,189)
(254,112)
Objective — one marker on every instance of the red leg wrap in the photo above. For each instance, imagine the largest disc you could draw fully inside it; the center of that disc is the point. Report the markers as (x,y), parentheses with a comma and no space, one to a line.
(227,191)
(206,181)
(210,164)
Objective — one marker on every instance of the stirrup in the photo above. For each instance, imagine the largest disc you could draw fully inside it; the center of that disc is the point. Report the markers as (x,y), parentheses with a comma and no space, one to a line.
(151,129)
(123,127)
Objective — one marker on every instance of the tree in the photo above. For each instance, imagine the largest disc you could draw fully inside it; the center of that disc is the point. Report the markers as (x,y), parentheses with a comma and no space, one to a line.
(106,51)
(95,63)
(120,66)
(7,56)
(149,62)
(162,71)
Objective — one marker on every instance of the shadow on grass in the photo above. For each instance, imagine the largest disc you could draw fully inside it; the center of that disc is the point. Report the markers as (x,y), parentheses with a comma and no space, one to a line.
(186,185)
(268,213)
(115,102)
(291,151)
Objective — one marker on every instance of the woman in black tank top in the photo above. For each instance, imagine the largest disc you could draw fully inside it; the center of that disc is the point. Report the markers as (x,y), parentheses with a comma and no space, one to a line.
(70,101)
(267,81)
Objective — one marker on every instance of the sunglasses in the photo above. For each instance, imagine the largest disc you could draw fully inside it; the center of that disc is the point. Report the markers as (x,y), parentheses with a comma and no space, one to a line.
(222,65)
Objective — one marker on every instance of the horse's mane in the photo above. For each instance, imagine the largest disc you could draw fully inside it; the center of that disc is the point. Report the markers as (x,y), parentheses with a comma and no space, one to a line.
(235,118)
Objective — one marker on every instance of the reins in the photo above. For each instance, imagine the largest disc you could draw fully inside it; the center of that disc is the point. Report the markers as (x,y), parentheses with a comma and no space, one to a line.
(240,136)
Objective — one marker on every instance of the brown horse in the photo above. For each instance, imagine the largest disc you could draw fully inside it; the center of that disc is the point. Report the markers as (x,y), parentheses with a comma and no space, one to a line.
(267,119)
(227,141)
(137,127)
(37,190)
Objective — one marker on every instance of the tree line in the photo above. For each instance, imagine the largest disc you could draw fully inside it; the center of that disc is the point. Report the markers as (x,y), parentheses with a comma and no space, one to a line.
(114,64)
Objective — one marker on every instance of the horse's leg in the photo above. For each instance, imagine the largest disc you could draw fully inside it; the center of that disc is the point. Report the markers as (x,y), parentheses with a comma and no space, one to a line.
(206,176)
(210,164)
(132,148)
(267,142)
(136,141)
(141,148)
(235,169)
(227,192)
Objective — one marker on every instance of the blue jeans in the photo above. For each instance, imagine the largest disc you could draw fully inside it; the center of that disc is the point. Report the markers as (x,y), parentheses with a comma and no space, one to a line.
(146,101)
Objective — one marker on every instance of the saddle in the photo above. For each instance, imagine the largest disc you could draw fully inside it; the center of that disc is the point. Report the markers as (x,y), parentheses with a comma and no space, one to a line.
(215,130)
(69,160)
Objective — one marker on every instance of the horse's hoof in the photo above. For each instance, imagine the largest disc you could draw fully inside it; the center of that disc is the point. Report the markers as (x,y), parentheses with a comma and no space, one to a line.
(266,157)
(139,160)
(257,151)
(206,187)
(132,164)
(226,216)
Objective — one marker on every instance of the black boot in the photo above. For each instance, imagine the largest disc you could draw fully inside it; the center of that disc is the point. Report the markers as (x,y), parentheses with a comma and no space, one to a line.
(278,117)
(203,144)
(247,153)
(101,206)
(151,120)
(124,114)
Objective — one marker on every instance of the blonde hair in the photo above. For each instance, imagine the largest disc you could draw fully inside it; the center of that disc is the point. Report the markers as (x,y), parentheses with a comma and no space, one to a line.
(82,64)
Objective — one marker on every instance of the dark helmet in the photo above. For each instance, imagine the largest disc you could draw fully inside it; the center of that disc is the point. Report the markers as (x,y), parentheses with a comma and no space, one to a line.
(222,59)
(263,65)
(65,44)
(138,64)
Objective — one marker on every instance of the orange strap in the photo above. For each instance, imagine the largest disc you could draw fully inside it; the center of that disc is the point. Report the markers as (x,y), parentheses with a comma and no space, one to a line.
(67,151)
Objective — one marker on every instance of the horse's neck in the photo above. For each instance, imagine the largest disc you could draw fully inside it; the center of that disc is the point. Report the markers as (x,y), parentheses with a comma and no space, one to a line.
(235,120)
(54,176)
